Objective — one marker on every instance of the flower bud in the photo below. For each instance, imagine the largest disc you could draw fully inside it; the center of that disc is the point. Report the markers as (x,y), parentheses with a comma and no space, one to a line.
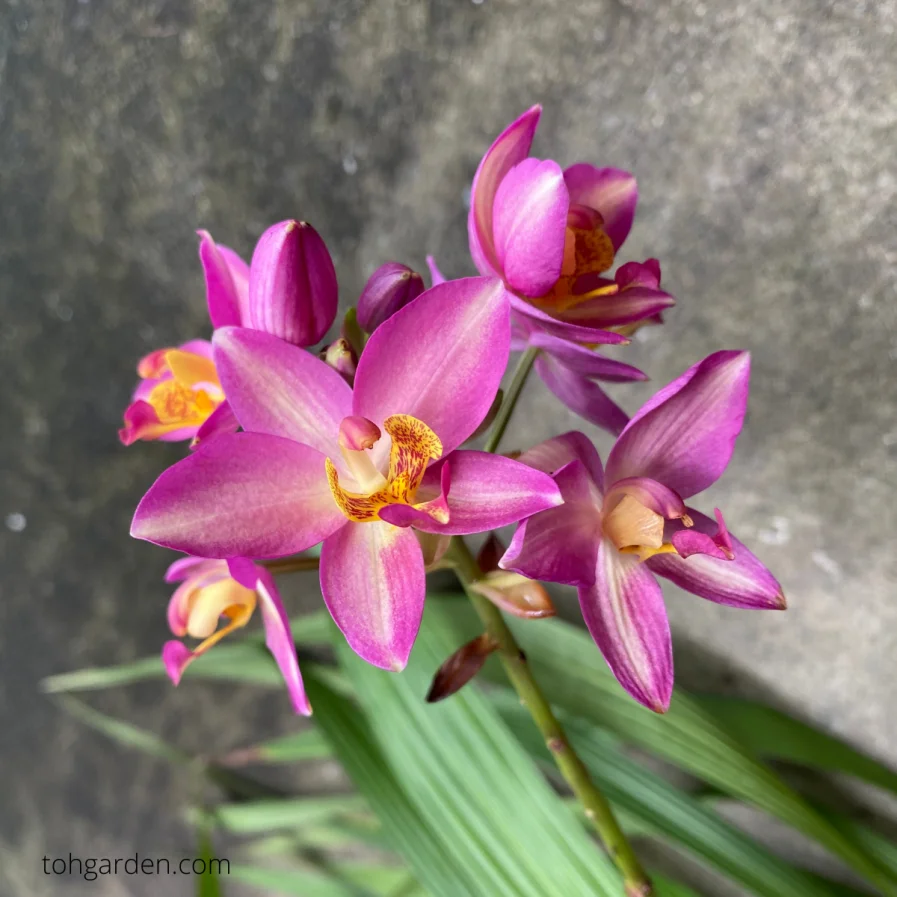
(461,667)
(340,356)
(391,287)
(516,595)
(292,284)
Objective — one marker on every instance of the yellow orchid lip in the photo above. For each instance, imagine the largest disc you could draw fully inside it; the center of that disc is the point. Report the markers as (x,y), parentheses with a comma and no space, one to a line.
(414,446)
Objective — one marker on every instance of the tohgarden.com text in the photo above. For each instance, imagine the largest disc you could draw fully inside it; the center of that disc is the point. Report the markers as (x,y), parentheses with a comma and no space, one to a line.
(90,868)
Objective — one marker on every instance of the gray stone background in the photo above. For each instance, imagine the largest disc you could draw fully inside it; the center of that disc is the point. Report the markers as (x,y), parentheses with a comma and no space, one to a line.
(763,137)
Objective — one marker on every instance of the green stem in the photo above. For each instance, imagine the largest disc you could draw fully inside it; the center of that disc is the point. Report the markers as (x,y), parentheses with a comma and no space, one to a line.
(524,366)
(571,767)
(291,565)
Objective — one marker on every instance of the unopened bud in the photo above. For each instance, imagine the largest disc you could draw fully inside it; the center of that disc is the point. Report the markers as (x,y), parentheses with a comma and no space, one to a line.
(391,287)
(461,667)
(516,595)
(341,358)
(490,554)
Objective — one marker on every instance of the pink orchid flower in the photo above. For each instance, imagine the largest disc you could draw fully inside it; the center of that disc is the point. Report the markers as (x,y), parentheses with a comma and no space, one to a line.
(290,291)
(210,590)
(550,234)
(359,469)
(621,525)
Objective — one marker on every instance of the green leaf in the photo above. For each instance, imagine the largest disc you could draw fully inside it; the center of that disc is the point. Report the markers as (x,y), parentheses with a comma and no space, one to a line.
(660,809)
(773,734)
(309,744)
(504,831)
(575,677)
(207,884)
(366,881)
(251,817)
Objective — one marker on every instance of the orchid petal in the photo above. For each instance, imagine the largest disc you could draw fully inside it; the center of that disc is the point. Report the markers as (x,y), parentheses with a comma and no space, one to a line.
(227,276)
(718,545)
(436,276)
(278,636)
(280,389)
(554,453)
(586,361)
(580,394)
(180,569)
(510,148)
(372,579)
(176,657)
(489,491)
(434,509)
(561,544)
(535,317)
(530,223)
(685,435)
(292,284)
(391,287)
(624,307)
(243,495)
(221,420)
(741,582)
(439,359)
(653,495)
(610,191)
(626,617)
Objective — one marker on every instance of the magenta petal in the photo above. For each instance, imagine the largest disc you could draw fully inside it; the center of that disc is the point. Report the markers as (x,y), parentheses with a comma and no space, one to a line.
(659,498)
(489,491)
(586,361)
(742,582)
(391,287)
(554,453)
(292,284)
(188,566)
(175,657)
(243,495)
(561,544)
(510,147)
(610,191)
(625,614)
(580,394)
(280,389)
(278,637)
(685,435)
(626,307)
(222,294)
(221,420)
(530,224)
(433,510)
(372,579)
(582,333)
(436,276)
(692,541)
(439,359)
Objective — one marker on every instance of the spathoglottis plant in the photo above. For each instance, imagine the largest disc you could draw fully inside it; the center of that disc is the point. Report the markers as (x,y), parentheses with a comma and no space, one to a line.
(356,457)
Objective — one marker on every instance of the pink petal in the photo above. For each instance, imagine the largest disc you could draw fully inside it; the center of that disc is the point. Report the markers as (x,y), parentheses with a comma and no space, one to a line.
(292,284)
(653,495)
(717,545)
(581,333)
(530,225)
(221,420)
(436,276)
(586,361)
(225,273)
(440,359)
(391,287)
(554,453)
(188,566)
(489,491)
(580,394)
(434,510)
(685,435)
(176,657)
(742,582)
(243,495)
(280,389)
(625,307)
(610,191)
(278,636)
(625,614)
(561,544)
(372,579)
(510,147)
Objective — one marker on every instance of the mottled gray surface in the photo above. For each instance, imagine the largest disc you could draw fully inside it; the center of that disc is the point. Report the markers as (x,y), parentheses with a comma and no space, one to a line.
(763,138)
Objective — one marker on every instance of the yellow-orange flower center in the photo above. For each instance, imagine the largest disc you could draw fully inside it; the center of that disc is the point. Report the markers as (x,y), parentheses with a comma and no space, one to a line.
(635,529)
(207,604)
(189,395)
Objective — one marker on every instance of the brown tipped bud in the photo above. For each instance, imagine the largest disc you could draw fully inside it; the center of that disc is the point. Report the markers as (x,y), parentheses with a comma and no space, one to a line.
(461,667)
(490,554)
(516,595)
(391,287)
(341,357)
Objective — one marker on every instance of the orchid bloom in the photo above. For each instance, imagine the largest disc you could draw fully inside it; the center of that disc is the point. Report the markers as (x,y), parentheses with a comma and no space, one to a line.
(621,525)
(290,290)
(550,234)
(210,590)
(359,469)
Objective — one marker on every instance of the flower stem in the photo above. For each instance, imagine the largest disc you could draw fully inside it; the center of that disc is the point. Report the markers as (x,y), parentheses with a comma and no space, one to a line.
(571,767)
(524,366)
(291,565)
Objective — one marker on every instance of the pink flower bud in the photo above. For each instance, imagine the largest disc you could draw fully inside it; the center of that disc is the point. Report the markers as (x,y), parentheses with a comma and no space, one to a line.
(391,287)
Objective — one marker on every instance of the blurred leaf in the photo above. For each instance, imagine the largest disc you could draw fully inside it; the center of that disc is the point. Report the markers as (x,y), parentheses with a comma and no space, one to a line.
(660,809)
(504,831)
(575,677)
(251,817)
(304,883)
(309,744)
(207,884)
(773,734)
(667,887)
